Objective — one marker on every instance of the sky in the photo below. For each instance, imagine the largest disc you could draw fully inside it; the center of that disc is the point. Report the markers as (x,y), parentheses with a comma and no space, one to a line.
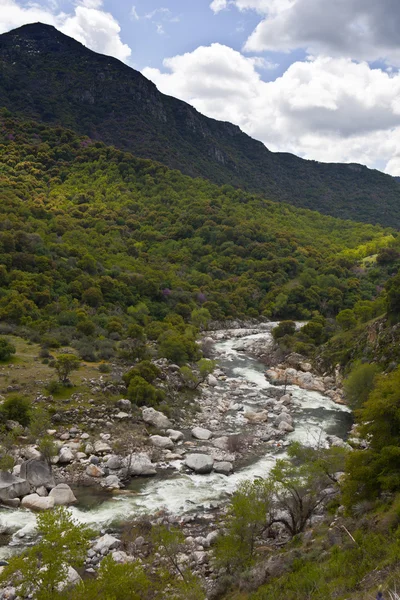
(318,78)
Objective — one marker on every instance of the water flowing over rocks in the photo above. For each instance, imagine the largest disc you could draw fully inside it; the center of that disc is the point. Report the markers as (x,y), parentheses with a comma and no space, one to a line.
(245,422)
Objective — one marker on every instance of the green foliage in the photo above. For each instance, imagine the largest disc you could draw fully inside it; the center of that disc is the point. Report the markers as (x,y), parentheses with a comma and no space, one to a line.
(43,567)
(346,319)
(142,393)
(193,379)
(359,383)
(65,365)
(145,369)
(376,469)
(174,134)
(92,243)
(16,408)
(248,517)
(284,328)
(7,349)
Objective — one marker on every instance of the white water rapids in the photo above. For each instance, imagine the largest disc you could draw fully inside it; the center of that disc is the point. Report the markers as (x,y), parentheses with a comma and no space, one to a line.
(315,416)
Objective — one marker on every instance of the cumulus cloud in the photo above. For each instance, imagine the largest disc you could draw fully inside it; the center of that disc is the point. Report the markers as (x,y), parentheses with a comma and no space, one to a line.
(88,24)
(360,29)
(326,108)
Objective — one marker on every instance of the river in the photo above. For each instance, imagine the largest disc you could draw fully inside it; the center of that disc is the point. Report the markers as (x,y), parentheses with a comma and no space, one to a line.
(179,492)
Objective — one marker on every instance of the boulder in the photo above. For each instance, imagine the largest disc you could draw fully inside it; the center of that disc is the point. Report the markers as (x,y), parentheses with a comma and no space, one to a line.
(101,447)
(176,436)
(223,467)
(256,417)
(124,404)
(72,578)
(94,471)
(114,462)
(106,543)
(31,452)
(155,418)
(199,463)
(12,487)
(111,482)
(65,455)
(222,442)
(162,442)
(62,494)
(36,502)
(121,557)
(201,434)
(285,427)
(283,418)
(140,464)
(37,473)
(212,381)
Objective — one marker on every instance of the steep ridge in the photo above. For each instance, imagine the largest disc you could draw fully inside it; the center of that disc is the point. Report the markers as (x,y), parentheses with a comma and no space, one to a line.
(50,77)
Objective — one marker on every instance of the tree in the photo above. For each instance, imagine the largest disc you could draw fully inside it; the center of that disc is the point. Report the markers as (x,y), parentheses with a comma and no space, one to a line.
(7,349)
(250,513)
(64,365)
(200,317)
(346,319)
(43,568)
(16,408)
(193,379)
(284,328)
(359,383)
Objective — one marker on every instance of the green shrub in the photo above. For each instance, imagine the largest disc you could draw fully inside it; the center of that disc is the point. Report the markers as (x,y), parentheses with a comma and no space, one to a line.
(359,383)
(16,408)
(145,369)
(284,328)
(142,393)
(6,349)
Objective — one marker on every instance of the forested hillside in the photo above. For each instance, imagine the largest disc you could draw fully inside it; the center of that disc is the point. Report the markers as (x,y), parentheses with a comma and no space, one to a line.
(48,76)
(93,238)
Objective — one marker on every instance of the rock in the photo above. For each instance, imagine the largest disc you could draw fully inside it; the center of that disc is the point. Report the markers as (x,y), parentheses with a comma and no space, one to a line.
(256,417)
(212,381)
(201,434)
(62,494)
(285,427)
(124,404)
(121,557)
(85,436)
(162,442)
(36,502)
(122,415)
(42,491)
(31,452)
(114,462)
(111,482)
(212,537)
(89,448)
(37,473)
(176,436)
(155,418)
(94,471)
(140,464)
(200,557)
(12,486)
(72,578)
(200,463)
(106,543)
(283,418)
(222,442)
(337,442)
(223,467)
(101,447)
(65,455)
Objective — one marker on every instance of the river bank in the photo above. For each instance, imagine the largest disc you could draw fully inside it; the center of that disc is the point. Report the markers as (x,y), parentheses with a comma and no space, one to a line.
(241,413)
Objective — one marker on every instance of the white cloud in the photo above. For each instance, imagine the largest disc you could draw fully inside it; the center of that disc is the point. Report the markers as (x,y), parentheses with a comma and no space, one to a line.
(328,109)
(88,24)
(134,13)
(359,29)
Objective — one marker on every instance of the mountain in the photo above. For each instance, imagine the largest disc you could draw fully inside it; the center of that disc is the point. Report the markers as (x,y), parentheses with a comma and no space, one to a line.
(50,77)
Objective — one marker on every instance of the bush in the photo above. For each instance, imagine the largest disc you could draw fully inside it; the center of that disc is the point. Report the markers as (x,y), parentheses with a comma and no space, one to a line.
(145,369)
(284,328)
(360,383)
(142,393)
(178,348)
(6,349)
(53,387)
(16,408)
(104,368)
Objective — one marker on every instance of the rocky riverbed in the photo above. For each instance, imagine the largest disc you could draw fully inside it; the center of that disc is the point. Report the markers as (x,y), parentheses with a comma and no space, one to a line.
(184,468)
